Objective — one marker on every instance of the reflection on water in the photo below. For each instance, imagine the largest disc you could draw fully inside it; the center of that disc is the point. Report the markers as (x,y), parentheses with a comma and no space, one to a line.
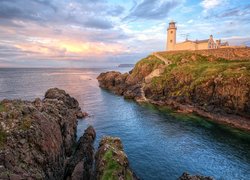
(160,144)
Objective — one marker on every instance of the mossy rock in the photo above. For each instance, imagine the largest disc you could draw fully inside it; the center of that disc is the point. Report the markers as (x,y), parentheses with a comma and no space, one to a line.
(26,123)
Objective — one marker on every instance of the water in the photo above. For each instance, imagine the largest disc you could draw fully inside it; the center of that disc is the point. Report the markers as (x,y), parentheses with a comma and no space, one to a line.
(160,144)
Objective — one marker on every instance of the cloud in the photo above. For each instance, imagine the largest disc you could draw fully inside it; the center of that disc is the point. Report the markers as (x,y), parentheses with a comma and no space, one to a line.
(152,9)
(98,23)
(116,10)
(25,9)
(45,12)
(210,4)
(240,11)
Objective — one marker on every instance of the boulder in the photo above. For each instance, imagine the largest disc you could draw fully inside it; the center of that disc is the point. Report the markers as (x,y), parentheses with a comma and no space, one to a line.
(111,160)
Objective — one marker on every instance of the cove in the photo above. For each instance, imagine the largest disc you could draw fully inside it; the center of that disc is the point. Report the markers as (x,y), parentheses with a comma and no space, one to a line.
(160,144)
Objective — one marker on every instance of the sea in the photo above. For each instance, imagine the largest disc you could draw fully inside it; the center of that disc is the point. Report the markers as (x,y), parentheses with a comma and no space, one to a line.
(161,144)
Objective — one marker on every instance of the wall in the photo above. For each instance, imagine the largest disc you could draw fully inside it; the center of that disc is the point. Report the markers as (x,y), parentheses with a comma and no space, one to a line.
(230,53)
(185,46)
(202,46)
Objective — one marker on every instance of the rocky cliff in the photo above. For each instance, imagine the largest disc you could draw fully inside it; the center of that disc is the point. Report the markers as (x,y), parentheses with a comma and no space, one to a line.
(192,81)
(37,137)
(38,141)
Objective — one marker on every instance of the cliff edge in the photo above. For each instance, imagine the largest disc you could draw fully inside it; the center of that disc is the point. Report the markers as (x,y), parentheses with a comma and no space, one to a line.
(211,83)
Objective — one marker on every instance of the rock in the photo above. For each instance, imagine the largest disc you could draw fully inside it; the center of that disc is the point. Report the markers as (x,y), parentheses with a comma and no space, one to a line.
(84,153)
(61,95)
(114,81)
(81,115)
(78,172)
(111,161)
(37,137)
(186,176)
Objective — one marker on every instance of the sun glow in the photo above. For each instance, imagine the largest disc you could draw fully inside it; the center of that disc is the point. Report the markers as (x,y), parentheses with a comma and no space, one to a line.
(66,48)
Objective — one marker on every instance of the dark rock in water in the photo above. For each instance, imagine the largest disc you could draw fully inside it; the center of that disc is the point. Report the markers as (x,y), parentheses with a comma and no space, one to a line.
(81,115)
(111,161)
(121,84)
(186,176)
(81,162)
(37,137)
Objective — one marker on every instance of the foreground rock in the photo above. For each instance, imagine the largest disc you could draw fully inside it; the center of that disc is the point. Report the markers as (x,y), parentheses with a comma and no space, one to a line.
(37,137)
(111,161)
(79,166)
(207,85)
(186,176)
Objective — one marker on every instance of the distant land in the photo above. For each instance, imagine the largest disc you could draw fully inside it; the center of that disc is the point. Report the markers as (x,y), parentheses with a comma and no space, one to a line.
(126,65)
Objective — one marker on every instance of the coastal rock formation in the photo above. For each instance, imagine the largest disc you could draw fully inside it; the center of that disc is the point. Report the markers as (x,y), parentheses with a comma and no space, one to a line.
(111,161)
(37,137)
(196,82)
(186,176)
(79,166)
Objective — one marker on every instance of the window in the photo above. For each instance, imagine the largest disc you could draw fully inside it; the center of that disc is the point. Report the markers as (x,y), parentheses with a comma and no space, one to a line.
(171,32)
(171,41)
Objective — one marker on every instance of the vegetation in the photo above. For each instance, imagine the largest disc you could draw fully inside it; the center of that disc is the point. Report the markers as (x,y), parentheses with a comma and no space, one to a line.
(111,167)
(26,123)
(146,66)
(197,69)
(3,137)
(2,107)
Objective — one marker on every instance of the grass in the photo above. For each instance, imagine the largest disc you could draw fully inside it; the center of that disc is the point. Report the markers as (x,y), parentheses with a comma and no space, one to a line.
(111,167)
(198,69)
(3,137)
(2,107)
(147,64)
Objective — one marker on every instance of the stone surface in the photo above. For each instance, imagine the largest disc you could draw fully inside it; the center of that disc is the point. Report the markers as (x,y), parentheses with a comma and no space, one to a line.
(37,137)
(82,157)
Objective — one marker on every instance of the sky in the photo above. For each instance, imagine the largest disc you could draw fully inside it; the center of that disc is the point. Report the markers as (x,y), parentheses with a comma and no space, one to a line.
(98,33)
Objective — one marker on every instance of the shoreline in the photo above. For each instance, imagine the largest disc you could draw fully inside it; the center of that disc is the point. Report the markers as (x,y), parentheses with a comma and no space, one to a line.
(232,121)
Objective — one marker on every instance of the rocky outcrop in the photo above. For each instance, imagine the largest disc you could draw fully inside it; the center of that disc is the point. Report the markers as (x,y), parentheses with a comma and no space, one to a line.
(111,161)
(37,137)
(208,85)
(79,166)
(186,176)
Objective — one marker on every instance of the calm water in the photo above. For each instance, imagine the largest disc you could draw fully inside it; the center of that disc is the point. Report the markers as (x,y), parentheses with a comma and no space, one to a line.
(159,144)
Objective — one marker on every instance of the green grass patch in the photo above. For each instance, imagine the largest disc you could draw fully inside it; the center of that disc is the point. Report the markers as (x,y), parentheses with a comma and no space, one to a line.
(146,65)
(3,137)
(111,167)
(2,107)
